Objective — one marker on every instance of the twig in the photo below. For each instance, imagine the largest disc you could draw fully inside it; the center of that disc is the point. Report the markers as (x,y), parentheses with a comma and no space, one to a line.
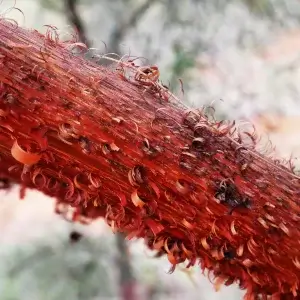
(122,28)
(73,16)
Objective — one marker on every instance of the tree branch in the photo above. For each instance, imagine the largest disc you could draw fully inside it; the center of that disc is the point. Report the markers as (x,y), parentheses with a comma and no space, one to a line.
(122,28)
(74,18)
(114,147)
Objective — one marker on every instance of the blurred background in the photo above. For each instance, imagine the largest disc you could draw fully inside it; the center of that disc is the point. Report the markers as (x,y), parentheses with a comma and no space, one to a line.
(241,55)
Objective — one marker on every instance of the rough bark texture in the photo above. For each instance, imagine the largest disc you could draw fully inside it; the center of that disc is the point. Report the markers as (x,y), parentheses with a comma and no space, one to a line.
(113,144)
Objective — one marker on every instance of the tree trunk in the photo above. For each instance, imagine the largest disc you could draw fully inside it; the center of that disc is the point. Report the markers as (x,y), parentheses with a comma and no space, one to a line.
(127,280)
(113,144)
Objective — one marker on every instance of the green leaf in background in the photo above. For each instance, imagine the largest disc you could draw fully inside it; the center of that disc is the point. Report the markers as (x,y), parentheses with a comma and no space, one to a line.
(182,62)
(52,5)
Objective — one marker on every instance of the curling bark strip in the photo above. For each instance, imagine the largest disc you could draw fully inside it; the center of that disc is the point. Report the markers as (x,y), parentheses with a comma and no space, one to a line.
(109,143)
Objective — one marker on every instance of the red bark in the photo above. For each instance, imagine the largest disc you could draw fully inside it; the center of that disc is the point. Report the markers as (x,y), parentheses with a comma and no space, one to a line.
(113,144)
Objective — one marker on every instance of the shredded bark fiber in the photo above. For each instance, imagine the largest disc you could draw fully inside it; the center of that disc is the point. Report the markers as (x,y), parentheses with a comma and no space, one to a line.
(114,143)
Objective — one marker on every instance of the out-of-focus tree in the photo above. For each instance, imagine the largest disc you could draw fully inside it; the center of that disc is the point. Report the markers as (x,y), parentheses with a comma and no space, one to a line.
(58,268)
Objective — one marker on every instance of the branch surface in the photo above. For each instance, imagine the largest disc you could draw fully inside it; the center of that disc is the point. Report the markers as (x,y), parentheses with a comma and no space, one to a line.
(113,144)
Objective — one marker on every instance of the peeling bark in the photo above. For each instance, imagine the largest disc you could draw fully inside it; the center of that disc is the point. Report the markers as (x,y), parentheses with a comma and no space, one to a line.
(114,144)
